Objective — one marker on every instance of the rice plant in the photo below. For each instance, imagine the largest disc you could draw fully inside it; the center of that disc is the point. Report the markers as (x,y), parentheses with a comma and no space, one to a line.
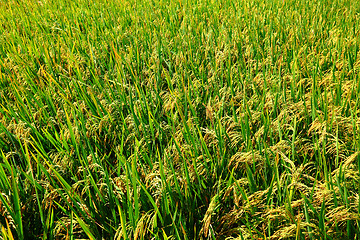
(186,119)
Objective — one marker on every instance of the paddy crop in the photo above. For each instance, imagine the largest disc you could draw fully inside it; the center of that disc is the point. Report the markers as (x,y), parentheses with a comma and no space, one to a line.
(185,119)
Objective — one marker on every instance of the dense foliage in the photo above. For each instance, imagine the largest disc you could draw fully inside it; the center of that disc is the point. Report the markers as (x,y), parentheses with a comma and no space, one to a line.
(184,119)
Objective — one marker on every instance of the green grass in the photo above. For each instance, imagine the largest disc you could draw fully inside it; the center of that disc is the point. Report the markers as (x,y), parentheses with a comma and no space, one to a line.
(179,119)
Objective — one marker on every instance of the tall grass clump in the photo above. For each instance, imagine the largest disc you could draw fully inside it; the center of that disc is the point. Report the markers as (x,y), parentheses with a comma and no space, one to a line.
(185,119)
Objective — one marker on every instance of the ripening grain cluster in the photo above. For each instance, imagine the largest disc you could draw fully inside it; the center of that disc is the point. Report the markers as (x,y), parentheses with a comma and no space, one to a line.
(181,119)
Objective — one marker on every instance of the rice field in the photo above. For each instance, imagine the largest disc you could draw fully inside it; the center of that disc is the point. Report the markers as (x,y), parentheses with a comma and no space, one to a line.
(184,119)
